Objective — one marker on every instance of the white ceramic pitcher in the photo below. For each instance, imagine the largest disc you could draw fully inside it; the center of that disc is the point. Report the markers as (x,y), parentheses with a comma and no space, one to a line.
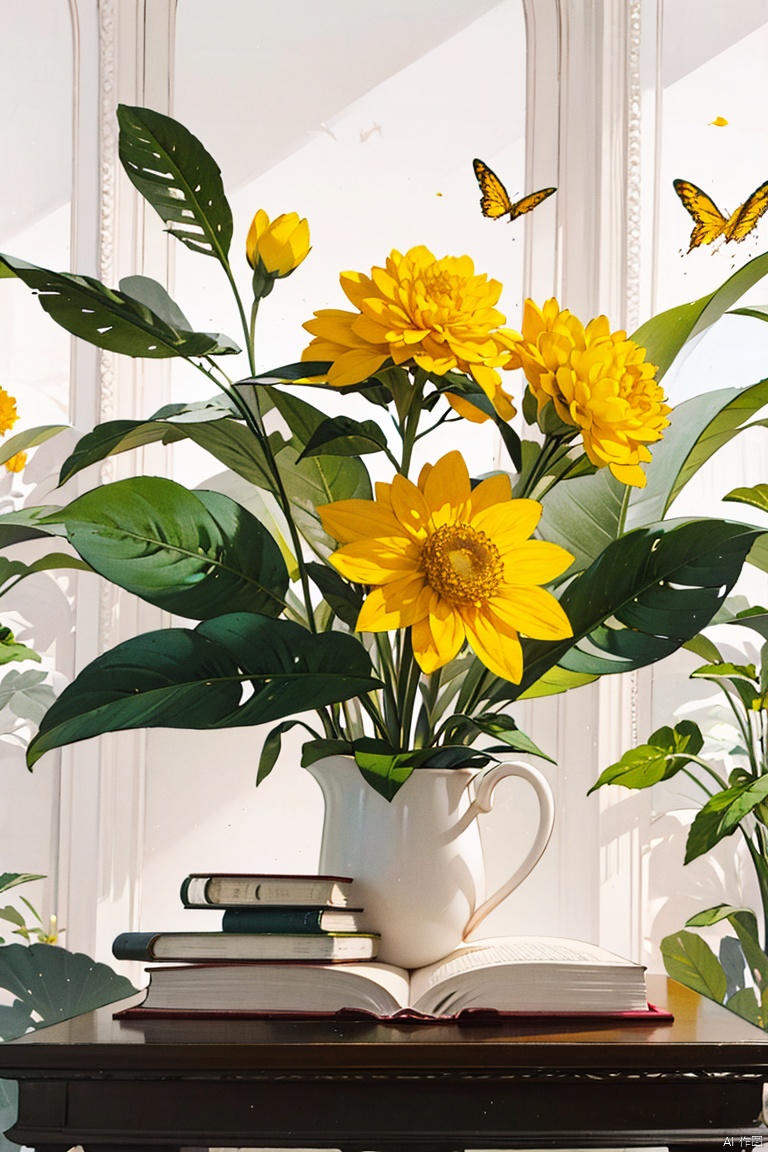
(417,861)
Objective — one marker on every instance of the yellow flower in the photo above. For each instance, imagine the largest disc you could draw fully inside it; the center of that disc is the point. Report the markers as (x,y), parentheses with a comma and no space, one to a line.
(276,248)
(8,413)
(436,314)
(16,463)
(599,382)
(451,563)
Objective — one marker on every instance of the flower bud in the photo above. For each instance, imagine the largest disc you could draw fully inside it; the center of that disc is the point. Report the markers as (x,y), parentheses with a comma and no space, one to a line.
(275,249)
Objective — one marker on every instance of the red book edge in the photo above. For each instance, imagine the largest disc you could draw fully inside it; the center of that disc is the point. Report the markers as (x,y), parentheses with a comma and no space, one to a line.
(650,1015)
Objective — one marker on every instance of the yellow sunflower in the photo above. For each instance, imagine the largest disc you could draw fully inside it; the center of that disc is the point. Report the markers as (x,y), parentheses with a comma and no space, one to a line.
(451,563)
(436,314)
(598,381)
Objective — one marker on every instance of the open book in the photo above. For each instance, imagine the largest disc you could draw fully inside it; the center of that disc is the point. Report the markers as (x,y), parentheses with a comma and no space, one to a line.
(519,974)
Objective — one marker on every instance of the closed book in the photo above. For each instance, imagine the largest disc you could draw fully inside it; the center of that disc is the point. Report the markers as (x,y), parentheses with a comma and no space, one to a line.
(291,920)
(228,889)
(200,947)
(517,976)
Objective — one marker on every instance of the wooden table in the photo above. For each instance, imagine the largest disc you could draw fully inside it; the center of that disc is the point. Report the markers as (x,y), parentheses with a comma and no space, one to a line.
(356,1085)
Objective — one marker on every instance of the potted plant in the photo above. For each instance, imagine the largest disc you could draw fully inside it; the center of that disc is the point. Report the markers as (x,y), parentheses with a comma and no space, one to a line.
(408,617)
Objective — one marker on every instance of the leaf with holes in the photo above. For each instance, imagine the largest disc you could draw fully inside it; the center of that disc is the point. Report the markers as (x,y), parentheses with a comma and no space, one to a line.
(174,172)
(643,597)
(55,984)
(111,319)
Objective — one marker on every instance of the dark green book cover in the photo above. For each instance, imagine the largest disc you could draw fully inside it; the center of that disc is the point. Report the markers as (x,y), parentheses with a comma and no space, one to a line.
(291,920)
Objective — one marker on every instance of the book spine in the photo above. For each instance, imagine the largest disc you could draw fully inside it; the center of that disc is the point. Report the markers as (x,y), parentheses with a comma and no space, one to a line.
(194,892)
(273,920)
(134,946)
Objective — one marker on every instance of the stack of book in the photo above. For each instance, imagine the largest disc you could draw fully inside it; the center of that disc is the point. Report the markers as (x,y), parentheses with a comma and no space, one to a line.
(265,918)
(293,945)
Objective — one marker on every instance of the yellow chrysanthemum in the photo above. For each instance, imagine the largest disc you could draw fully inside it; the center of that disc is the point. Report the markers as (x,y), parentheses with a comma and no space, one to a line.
(436,314)
(451,563)
(599,382)
(16,463)
(8,413)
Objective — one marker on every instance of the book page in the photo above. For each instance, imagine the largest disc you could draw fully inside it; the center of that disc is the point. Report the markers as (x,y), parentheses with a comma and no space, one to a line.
(393,980)
(511,950)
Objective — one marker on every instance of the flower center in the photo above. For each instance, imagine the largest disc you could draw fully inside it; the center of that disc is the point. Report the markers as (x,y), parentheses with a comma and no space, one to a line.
(461,564)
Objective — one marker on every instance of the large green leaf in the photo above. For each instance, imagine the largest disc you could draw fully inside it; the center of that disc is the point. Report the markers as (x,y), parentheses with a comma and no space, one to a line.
(690,960)
(315,480)
(698,427)
(180,678)
(111,319)
(29,439)
(584,516)
(174,172)
(227,440)
(52,984)
(664,335)
(667,751)
(28,524)
(722,814)
(644,596)
(198,554)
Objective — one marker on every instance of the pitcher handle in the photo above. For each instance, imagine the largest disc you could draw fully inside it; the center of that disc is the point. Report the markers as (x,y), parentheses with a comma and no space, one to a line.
(483,802)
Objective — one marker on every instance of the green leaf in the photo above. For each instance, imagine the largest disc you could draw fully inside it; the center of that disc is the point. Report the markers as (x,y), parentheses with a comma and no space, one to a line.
(584,516)
(111,319)
(756,497)
(345,600)
(314,750)
(743,679)
(12,572)
(648,593)
(660,759)
(317,480)
(56,984)
(689,960)
(383,768)
(272,746)
(343,436)
(28,524)
(227,440)
(664,335)
(722,814)
(698,428)
(504,729)
(712,916)
(180,678)
(744,1004)
(13,879)
(174,172)
(29,439)
(732,960)
(11,651)
(197,554)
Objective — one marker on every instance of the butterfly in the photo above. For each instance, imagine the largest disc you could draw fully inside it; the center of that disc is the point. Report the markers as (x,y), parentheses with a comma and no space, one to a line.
(495,201)
(710,223)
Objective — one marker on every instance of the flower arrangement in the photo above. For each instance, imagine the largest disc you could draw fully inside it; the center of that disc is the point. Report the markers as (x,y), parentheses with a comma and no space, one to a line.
(407,615)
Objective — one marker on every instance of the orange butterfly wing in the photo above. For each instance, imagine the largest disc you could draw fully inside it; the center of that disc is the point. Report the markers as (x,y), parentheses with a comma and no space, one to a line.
(495,201)
(709,222)
(529,202)
(745,217)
